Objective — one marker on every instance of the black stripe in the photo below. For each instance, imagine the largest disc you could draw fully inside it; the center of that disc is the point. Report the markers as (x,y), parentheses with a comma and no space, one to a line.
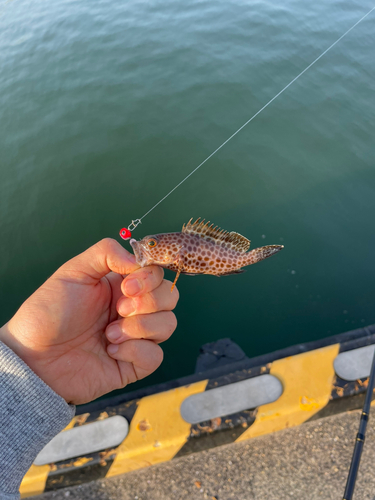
(73,476)
(217,432)
(237,376)
(348,340)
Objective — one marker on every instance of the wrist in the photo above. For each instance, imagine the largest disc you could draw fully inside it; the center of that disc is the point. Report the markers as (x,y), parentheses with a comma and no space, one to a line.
(12,337)
(10,341)
(25,352)
(5,335)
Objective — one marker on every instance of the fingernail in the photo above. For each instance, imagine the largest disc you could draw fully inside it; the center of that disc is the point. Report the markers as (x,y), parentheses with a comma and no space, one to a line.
(113,332)
(112,348)
(133,286)
(126,308)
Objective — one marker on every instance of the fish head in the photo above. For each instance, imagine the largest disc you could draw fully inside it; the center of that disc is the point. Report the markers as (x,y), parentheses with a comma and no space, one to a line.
(158,249)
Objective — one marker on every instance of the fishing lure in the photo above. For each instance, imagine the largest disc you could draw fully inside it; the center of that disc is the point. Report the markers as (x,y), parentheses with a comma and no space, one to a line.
(200,248)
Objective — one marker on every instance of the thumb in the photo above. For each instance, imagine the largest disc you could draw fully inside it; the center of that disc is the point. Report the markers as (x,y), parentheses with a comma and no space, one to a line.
(90,266)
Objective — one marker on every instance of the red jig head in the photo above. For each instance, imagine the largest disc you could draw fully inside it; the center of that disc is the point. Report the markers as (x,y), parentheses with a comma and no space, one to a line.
(125,234)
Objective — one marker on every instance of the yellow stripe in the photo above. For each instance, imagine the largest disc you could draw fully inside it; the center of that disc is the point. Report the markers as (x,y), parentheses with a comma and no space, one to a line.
(307,382)
(34,481)
(157,430)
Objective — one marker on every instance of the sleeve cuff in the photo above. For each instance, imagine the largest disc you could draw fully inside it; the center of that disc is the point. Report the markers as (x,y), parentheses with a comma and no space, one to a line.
(31,414)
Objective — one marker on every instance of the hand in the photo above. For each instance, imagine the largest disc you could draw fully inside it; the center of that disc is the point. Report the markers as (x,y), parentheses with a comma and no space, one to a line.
(66,330)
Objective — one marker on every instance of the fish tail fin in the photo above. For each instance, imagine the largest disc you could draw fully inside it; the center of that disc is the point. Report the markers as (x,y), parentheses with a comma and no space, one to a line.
(261,253)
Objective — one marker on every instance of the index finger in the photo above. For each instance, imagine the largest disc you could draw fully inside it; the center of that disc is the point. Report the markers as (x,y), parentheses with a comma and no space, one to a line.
(97,261)
(142,281)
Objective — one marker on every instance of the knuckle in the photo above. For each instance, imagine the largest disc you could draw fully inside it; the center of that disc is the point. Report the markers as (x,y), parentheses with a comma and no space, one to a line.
(131,350)
(161,272)
(138,326)
(108,243)
(152,303)
(150,276)
(176,296)
(159,356)
(123,285)
(170,322)
(126,307)
(142,305)
(144,274)
(157,272)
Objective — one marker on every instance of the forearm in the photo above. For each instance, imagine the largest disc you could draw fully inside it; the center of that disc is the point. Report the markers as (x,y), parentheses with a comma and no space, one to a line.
(31,414)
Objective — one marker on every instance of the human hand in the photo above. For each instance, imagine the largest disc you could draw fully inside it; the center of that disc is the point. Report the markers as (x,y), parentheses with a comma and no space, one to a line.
(63,331)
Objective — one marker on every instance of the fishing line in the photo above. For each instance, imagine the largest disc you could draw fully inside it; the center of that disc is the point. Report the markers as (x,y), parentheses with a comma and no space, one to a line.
(136,222)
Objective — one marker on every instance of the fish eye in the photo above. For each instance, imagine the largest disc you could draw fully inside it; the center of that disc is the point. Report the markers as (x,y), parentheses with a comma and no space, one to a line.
(151,243)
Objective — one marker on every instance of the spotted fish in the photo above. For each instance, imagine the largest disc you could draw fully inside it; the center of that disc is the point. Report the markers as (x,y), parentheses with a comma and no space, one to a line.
(200,248)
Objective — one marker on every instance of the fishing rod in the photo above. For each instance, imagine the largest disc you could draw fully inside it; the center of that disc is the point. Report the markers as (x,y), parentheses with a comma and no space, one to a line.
(360,439)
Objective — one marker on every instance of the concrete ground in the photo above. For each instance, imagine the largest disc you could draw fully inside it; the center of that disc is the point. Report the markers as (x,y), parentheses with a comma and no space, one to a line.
(309,462)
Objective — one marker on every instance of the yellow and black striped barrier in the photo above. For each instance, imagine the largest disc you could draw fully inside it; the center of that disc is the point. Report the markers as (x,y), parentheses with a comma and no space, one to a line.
(154,425)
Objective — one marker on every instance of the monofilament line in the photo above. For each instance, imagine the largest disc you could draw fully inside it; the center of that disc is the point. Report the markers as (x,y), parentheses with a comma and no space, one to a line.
(257,113)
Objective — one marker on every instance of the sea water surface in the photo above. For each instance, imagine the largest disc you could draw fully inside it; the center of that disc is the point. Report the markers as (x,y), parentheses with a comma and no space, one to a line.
(106,106)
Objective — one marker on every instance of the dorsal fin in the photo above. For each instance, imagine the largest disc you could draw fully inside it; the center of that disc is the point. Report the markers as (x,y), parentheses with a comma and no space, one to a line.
(237,241)
(213,233)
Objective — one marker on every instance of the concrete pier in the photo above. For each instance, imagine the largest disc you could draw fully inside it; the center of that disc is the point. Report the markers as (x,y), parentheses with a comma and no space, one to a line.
(308,462)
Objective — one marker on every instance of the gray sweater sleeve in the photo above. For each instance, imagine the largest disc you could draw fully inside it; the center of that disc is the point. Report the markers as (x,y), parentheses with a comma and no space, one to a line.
(31,414)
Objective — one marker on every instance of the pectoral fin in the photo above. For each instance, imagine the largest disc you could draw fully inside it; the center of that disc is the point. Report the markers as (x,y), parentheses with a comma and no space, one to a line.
(175,280)
(237,271)
(180,264)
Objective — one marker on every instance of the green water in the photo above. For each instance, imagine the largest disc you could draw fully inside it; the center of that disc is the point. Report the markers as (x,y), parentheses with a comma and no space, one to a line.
(105,106)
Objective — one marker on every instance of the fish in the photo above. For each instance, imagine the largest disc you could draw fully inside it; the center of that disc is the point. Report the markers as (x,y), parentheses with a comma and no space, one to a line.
(200,248)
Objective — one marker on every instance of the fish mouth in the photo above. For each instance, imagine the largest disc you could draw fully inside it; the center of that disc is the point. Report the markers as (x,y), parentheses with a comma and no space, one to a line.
(138,252)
